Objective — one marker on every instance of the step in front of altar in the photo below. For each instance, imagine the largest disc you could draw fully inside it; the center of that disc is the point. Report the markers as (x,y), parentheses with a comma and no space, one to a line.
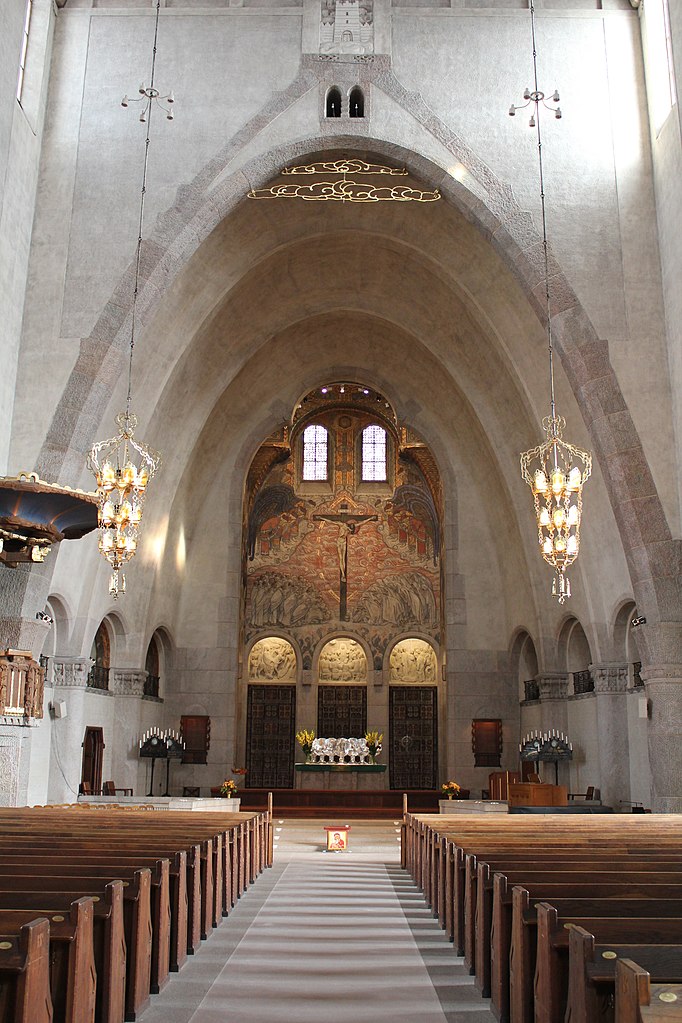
(318,802)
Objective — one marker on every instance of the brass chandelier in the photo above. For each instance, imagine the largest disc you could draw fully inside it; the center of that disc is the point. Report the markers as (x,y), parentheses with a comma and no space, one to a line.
(122,465)
(555,470)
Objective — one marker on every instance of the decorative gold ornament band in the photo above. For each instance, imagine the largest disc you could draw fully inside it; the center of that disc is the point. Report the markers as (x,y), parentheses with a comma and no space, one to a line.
(344,189)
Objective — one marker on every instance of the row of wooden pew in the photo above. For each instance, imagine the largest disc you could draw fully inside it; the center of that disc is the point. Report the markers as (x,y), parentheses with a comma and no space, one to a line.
(98,907)
(561,919)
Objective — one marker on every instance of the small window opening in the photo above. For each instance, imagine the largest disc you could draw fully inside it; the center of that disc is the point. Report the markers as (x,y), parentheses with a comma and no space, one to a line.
(315,463)
(334,102)
(356,102)
(374,454)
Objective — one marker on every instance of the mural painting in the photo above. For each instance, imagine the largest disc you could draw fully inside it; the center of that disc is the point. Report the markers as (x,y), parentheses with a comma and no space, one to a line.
(343,554)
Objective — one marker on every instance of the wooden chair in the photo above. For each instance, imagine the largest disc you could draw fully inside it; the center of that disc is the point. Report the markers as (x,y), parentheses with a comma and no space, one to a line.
(587,795)
(109,789)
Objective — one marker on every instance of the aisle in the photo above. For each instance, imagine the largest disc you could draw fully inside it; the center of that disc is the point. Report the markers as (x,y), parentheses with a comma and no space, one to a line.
(326,936)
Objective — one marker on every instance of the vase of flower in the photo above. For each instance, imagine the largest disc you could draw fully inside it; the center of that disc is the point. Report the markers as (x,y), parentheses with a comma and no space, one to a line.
(373,740)
(450,790)
(305,740)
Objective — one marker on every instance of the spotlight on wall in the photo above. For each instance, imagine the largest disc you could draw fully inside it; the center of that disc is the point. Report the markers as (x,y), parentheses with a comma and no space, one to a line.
(638,621)
(42,616)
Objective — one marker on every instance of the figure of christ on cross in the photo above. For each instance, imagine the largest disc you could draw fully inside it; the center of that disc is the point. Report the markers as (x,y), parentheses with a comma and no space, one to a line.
(347,526)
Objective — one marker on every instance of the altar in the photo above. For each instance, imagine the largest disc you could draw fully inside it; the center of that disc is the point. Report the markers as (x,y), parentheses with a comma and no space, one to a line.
(345,764)
(347,777)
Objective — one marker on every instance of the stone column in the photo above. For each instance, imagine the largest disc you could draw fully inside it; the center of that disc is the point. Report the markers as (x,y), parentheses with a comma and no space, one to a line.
(610,687)
(553,689)
(660,648)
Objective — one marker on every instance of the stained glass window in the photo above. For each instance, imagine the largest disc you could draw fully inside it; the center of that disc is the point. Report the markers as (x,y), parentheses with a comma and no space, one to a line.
(315,461)
(373,453)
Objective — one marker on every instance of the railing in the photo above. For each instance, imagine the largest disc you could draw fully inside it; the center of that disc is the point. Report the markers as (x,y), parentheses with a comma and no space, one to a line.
(637,679)
(531,690)
(151,685)
(583,682)
(98,677)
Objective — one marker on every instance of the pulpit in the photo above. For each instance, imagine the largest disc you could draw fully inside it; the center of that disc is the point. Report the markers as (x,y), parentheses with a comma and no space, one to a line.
(537,794)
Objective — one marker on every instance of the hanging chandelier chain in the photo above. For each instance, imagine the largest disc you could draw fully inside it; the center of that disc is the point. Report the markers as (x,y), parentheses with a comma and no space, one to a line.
(545,245)
(555,470)
(143,193)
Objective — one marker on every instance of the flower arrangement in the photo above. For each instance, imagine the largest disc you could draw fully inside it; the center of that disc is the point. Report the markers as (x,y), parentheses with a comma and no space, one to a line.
(374,740)
(304,738)
(450,789)
(228,789)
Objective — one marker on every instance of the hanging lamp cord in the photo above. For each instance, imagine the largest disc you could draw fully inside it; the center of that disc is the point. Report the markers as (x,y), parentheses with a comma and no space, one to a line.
(138,254)
(545,246)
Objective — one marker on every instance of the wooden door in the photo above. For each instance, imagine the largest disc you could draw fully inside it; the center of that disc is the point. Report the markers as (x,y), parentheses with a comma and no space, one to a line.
(270,737)
(413,737)
(93,753)
(341,711)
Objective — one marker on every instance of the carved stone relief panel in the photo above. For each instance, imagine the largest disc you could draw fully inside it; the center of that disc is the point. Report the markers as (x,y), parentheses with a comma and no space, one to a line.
(273,659)
(347,26)
(10,751)
(413,660)
(343,660)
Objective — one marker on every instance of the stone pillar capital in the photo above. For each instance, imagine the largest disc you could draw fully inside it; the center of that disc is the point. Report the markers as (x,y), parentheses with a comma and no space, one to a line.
(70,671)
(609,677)
(552,685)
(127,681)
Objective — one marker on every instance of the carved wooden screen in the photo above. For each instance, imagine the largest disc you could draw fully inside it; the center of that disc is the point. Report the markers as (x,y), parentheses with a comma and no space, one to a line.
(342,711)
(270,737)
(413,737)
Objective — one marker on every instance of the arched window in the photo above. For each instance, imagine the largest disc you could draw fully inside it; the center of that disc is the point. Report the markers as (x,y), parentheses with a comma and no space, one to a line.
(356,102)
(315,460)
(98,676)
(374,453)
(152,667)
(333,106)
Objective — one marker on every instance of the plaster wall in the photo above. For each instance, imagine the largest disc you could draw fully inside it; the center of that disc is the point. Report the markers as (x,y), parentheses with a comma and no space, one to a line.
(583,730)
(603,231)
(21,129)
(666,147)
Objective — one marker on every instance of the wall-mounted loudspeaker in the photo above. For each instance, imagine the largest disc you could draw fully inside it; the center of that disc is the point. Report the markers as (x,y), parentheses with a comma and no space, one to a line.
(58,709)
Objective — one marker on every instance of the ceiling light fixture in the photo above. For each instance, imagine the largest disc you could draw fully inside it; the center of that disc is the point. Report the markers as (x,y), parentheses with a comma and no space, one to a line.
(555,470)
(122,465)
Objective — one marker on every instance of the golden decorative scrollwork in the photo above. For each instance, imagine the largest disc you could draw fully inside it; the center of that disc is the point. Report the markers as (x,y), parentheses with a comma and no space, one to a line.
(345,167)
(344,189)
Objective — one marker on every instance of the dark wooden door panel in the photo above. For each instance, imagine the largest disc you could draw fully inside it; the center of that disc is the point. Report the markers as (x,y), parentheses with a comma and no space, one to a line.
(270,737)
(413,737)
(341,711)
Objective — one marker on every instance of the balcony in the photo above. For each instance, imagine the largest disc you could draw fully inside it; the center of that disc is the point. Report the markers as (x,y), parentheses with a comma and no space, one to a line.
(151,685)
(582,682)
(531,690)
(98,677)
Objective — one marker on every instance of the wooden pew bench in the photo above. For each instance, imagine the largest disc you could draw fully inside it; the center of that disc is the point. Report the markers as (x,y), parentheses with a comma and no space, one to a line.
(640,1001)
(519,960)
(72,974)
(552,956)
(61,892)
(109,948)
(24,974)
(479,894)
(592,973)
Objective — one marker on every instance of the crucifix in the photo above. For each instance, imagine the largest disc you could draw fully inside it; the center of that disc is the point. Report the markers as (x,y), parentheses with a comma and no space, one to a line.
(347,525)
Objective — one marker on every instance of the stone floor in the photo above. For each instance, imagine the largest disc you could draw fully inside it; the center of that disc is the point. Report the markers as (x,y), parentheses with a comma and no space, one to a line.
(338,936)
